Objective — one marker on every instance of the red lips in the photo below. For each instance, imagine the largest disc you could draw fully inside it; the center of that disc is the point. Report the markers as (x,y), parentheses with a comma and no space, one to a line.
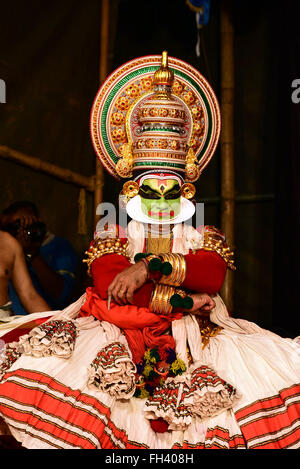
(161,214)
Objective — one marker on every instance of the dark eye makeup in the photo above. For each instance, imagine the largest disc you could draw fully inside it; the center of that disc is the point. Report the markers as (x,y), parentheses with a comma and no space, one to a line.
(147,193)
(173,193)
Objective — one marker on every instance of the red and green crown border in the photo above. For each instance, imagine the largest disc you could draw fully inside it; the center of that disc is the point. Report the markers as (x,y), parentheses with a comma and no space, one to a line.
(139,66)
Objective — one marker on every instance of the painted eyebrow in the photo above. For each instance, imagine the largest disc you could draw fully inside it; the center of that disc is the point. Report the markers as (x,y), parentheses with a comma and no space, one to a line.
(175,188)
(146,188)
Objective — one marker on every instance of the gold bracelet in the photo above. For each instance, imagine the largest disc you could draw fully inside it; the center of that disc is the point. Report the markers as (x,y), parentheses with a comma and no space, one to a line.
(160,299)
(181,292)
(177,276)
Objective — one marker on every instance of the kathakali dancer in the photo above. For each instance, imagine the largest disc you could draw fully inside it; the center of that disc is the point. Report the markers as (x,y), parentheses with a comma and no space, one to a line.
(149,356)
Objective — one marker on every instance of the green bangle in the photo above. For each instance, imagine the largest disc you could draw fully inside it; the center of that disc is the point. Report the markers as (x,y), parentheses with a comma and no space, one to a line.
(139,256)
(177,301)
(187,302)
(166,268)
(155,264)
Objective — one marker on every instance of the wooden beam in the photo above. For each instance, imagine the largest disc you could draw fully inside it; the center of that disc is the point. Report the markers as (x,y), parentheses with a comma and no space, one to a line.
(58,172)
(227,139)
(103,71)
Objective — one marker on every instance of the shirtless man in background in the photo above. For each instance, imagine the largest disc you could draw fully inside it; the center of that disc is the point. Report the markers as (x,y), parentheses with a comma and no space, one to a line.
(13,268)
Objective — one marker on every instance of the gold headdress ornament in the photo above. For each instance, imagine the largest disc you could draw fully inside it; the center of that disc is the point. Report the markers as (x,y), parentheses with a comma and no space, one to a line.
(164,76)
(155,115)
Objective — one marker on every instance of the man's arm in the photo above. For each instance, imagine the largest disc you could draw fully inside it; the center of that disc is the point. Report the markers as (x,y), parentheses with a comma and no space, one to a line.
(22,283)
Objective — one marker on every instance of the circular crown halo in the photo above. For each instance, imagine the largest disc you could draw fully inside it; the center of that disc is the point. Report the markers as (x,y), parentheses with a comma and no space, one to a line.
(116,117)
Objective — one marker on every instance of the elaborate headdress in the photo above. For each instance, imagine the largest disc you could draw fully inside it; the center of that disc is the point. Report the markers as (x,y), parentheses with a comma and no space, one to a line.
(158,116)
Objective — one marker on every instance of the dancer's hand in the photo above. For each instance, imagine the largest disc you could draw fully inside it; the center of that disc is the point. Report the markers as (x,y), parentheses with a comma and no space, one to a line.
(202,302)
(124,285)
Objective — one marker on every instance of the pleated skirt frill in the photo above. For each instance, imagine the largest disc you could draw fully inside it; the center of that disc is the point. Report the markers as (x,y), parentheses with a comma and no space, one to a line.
(54,402)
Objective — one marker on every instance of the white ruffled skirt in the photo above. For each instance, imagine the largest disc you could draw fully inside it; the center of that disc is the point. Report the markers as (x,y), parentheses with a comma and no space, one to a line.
(71,385)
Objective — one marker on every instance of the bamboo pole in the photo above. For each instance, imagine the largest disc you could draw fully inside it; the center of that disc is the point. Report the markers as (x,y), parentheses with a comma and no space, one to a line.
(227,139)
(103,70)
(58,172)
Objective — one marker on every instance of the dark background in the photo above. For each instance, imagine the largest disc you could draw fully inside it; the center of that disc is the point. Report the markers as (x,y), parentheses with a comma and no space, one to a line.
(49,59)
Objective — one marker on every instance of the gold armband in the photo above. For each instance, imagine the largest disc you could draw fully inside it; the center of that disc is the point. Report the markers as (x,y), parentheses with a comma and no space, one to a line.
(177,276)
(100,247)
(212,241)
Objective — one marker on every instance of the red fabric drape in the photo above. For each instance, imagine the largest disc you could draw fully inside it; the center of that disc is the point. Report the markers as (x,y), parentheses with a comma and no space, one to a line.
(205,273)
(142,328)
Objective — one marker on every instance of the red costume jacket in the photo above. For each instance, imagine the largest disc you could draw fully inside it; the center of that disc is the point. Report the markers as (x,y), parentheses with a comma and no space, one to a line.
(205,272)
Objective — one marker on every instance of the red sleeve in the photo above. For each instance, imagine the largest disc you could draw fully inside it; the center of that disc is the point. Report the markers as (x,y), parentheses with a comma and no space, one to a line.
(205,272)
(105,268)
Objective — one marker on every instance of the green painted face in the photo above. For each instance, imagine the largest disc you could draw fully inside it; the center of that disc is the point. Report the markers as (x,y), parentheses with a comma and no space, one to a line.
(160,198)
